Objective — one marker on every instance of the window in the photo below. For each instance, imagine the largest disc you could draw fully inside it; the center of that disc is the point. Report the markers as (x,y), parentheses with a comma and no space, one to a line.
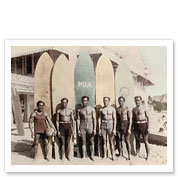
(19,65)
(12,65)
(29,64)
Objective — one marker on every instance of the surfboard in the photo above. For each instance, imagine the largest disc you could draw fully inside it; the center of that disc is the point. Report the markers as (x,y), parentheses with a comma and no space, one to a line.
(124,86)
(63,87)
(84,83)
(42,91)
(104,87)
(17,111)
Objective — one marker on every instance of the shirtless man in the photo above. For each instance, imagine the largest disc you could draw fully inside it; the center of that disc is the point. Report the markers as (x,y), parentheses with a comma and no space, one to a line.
(39,117)
(64,124)
(123,125)
(140,125)
(107,124)
(87,125)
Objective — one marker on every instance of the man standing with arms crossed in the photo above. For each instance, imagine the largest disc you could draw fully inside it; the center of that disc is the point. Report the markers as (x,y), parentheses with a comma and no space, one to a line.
(123,125)
(40,119)
(140,125)
(107,125)
(65,127)
(87,126)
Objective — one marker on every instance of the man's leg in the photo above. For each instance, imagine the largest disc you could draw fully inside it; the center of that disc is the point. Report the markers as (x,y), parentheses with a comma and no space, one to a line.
(36,142)
(145,139)
(84,144)
(45,142)
(111,143)
(91,141)
(120,144)
(62,146)
(127,142)
(68,146)
(137,139)
(104,145)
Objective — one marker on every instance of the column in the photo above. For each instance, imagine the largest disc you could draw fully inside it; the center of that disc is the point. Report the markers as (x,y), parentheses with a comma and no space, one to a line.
(33,64)
(23,65)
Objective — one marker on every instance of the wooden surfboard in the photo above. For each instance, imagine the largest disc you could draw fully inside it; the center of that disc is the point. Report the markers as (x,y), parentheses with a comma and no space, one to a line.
(84,81)
(104,87)
(63,87)
(17,111)
(42,90)
(124,86)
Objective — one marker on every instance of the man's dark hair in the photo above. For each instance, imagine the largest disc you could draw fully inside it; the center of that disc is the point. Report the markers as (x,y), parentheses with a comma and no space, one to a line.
(137,97)
(85,97)
(40,102)
(106,97)
(64,99)
(121,97)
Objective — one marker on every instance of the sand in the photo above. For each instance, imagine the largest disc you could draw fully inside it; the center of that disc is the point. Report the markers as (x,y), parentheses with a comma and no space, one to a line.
(22,155)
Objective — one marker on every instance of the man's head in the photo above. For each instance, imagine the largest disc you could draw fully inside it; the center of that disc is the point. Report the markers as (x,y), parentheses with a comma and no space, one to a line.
(138,100)
(40,105)
(64,102)
(85,100)
(106,101)
(121,101)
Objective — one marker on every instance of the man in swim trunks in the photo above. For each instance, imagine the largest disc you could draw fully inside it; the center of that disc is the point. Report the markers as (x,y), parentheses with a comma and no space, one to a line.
(65,127)
(140,123)
(107,125)
(40,119)
(87,126)
(123,125)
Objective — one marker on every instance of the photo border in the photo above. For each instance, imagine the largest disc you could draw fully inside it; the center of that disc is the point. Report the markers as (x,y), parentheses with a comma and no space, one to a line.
(89,168)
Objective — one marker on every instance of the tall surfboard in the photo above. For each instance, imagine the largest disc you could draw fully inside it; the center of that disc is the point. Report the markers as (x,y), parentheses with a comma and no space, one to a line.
(84,81)
(104,87)
(124,86)
(42,90)
(63,87)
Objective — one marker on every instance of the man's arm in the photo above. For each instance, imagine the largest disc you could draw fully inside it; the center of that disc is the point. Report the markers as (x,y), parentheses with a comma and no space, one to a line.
(57,122)
(31,120)
(129,115)
(147,117)
(72,120)
(133,118)
(50,122)
(94,120)
(78,121)
(114,120)
(99,121)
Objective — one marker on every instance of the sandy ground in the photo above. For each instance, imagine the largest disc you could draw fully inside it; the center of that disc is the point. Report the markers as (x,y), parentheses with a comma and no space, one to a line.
(22,155)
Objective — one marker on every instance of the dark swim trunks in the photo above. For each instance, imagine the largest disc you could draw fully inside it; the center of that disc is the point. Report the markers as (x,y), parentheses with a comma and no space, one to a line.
(141,128)
(122,127)
(65,128)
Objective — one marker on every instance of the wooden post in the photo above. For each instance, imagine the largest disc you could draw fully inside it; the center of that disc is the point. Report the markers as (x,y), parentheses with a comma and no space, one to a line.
(33,64)
(15,69)
(23,65)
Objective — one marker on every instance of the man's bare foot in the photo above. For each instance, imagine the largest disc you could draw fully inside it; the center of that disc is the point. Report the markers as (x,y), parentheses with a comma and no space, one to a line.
(68,158)
(112,158)
(121,154)
(91,158)
(147,157)
(46,158)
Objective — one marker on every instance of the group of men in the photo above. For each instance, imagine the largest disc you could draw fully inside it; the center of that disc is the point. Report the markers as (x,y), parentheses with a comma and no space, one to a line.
(109,122)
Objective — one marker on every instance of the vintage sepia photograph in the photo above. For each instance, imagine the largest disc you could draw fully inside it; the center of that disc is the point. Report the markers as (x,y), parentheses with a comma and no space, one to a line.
(84,104)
